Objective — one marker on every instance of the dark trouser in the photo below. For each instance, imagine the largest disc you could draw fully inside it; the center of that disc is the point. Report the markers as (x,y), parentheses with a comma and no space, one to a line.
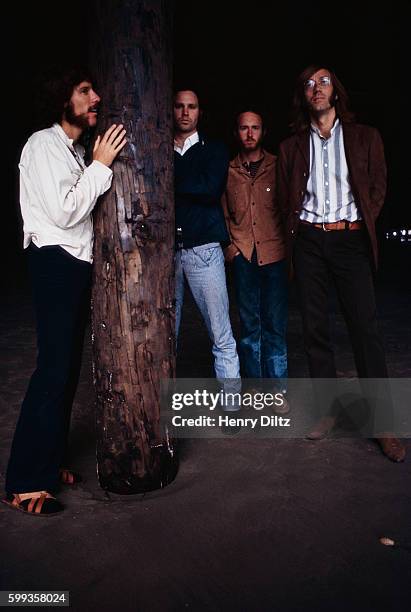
(341,257)
(60,285)
(262,300)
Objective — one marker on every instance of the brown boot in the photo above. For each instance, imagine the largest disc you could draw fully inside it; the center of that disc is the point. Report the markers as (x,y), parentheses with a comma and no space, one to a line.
(392,447)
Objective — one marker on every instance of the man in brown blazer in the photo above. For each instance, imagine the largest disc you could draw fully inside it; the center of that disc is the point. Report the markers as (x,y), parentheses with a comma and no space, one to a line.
(257,253)
(331,188)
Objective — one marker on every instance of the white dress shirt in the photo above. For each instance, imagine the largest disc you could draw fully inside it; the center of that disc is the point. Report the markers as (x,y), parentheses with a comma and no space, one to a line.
(58,192)
(189,142)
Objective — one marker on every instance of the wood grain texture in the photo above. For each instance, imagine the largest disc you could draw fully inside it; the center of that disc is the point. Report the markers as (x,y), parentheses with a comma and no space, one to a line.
(133,287)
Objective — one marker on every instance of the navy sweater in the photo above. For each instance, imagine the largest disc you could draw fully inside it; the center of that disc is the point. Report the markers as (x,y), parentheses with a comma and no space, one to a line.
(200,180)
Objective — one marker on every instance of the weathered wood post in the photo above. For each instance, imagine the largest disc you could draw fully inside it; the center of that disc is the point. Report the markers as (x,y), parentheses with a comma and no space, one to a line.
(133,288)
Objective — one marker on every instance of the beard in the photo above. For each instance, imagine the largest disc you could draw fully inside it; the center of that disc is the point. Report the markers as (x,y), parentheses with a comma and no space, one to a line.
(252,145)
(79,121)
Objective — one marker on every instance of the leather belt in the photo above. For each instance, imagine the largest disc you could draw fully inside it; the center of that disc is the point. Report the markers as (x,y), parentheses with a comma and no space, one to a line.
(337,225)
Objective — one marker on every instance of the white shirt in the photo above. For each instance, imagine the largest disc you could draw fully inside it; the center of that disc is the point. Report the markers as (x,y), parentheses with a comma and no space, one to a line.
(58,192)
(329,197)
(189,142)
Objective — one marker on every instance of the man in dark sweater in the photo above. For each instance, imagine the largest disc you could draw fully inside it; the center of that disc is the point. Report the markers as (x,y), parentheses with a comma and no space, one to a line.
(200,176)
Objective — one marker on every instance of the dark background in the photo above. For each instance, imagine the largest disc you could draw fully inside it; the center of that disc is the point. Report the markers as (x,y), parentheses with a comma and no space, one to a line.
(234,55)
(247,525)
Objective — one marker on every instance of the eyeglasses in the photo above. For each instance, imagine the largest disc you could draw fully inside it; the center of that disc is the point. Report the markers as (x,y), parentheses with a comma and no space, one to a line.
(323,81)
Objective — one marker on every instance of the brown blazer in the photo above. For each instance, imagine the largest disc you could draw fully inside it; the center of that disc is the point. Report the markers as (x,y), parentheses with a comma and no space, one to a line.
(252,215)
(368,177)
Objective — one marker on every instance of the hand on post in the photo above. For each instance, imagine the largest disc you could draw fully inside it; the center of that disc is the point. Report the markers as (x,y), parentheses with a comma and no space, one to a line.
(107,147)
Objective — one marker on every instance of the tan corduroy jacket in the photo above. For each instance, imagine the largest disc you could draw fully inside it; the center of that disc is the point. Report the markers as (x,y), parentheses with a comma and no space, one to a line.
(251,213)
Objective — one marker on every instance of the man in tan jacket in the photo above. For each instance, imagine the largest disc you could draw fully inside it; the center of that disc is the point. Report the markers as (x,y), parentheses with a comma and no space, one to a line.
(257,254)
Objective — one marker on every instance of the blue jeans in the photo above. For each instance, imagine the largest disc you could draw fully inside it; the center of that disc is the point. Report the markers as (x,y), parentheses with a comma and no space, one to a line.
(203,267)
(262,300)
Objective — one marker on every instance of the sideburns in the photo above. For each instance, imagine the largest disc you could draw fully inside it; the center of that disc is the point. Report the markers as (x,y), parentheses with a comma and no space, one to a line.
(73,119)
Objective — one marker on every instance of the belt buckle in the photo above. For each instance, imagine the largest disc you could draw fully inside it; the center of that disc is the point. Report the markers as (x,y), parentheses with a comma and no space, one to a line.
(324,228)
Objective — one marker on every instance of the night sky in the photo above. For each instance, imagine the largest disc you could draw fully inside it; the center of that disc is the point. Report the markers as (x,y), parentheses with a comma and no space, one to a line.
(235,54)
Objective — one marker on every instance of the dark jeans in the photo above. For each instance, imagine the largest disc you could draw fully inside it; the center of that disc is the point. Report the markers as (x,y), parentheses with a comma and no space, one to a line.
(342,258)
(60,285)
(262,300)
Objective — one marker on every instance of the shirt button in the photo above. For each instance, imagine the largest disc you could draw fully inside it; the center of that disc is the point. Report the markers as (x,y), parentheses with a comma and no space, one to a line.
(325,165)
(261,261)
(327,201)
(268,189)
(258,242)
(252,203)
(254,223)
(326,182)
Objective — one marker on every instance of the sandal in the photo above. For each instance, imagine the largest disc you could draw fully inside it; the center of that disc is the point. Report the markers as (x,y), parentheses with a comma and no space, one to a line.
(36,503)
(70,478)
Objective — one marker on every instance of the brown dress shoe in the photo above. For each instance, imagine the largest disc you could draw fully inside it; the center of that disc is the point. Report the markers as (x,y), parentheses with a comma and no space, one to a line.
(392,447)
(322,428)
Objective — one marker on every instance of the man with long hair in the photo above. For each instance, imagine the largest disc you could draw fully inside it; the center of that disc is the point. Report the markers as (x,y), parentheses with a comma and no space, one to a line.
(57,195)
(331,188)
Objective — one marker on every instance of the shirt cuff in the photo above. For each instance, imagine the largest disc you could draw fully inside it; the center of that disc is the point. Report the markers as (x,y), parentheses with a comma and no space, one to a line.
(100,169)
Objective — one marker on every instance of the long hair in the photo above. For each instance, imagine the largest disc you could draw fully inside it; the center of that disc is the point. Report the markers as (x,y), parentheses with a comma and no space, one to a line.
(55,92)
(300,117)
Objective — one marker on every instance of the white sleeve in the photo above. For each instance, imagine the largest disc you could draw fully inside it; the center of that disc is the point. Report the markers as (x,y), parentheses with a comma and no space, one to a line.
(67,194)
